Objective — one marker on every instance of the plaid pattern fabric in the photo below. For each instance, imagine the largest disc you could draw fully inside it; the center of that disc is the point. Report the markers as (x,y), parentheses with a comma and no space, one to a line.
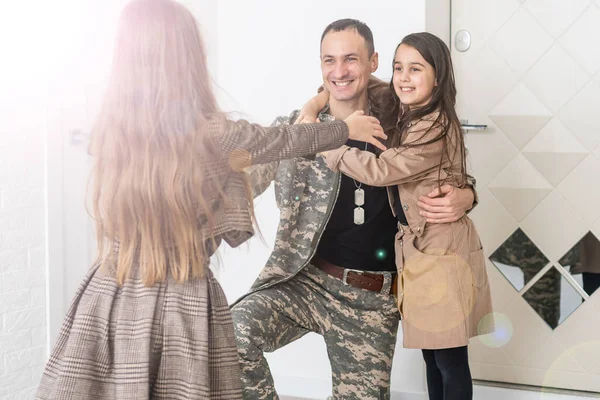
(239,144)
(174,341)
(169,341)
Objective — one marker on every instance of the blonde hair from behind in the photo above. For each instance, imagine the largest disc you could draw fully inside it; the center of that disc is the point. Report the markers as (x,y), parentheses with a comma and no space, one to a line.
(147,184)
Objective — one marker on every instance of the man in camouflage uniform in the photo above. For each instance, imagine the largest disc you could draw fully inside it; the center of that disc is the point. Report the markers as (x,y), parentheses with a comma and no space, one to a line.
(293,294)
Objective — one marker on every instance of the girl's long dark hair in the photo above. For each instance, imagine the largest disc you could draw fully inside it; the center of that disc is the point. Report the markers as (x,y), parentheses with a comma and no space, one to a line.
(443,100)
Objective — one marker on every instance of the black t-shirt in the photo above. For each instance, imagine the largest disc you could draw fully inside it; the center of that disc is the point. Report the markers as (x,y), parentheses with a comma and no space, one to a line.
(366,247)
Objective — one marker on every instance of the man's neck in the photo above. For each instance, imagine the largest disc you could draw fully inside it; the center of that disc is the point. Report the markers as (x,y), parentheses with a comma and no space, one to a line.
(342,109)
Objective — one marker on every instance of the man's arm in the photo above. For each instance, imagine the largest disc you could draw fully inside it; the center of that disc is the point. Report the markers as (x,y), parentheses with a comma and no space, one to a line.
(261,176)
(453,204)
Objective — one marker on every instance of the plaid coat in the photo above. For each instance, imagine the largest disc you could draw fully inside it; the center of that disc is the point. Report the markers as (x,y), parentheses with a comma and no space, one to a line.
(443,293)
(173,341)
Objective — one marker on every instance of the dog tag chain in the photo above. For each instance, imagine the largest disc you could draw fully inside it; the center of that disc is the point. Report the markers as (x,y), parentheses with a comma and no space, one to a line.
(359,200)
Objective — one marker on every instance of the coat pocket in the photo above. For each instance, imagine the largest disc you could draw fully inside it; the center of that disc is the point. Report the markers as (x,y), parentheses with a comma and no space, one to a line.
(477,264)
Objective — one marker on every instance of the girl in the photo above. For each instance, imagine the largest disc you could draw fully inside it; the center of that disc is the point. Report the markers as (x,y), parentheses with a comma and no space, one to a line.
(150,320)
(443,291)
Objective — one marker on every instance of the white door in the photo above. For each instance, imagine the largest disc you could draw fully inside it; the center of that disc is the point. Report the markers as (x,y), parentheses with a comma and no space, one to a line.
(531,75)
(76,85)
(80,73)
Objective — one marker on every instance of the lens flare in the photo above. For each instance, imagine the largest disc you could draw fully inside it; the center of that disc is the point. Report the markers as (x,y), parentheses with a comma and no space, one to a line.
(380,254)
(502,330)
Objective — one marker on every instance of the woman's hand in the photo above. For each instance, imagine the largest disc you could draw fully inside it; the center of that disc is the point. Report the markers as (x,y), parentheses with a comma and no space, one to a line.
(365,129)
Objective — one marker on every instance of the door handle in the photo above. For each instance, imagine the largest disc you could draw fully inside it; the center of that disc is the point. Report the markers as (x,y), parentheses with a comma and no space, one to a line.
(471,127)
(78,137)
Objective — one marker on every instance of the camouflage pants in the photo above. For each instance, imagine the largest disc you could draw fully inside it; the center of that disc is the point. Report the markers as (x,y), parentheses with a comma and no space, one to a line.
(359,328)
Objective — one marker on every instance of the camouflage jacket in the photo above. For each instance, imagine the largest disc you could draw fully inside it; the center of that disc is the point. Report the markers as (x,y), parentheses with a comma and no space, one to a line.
(306,191)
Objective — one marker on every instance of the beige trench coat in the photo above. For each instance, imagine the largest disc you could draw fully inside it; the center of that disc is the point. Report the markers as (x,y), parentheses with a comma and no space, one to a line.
(444,293)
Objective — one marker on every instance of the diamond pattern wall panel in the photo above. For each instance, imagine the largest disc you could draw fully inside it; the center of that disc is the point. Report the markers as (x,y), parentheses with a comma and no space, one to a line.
(535,75)
(553,298)
(542,78)
(582,40)
(581,112)
(518,259)
(596,228)
(582,261)
(490,211)
(555,151)
(524,320)
(554,226)
(520,115)
(552,353)
(579,335)
(520,187)
(556,15)
(585,175)
(468,12)
(485,164)
(475,85)
(521,41)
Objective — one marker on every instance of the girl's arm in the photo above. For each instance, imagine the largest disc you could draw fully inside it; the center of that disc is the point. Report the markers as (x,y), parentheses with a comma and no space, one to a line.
(393,166)
(379,93)
(311,109)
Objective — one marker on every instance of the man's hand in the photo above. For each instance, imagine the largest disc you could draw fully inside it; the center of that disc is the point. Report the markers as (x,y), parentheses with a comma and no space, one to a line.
(449,205)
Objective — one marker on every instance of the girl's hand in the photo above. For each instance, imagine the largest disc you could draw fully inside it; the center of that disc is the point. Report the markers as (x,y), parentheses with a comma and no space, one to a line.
(310,111)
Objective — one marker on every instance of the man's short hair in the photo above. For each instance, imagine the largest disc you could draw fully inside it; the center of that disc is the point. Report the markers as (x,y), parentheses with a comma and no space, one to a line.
(348,23)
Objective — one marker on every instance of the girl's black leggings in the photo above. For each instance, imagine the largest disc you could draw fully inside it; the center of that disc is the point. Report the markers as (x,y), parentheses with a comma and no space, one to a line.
(448,374)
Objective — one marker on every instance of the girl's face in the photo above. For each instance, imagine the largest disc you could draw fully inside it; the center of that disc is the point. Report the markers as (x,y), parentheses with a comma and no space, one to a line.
(414,78)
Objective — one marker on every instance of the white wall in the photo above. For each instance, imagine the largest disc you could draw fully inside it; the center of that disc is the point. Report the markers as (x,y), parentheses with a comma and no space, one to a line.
(268,65)
(22,212)
(22,253)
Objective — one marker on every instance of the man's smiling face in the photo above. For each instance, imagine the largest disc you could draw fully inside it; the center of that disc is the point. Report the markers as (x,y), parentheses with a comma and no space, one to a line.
(346,65)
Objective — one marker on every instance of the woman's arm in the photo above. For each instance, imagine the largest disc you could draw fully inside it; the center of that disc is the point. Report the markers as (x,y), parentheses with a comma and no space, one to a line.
(244,144)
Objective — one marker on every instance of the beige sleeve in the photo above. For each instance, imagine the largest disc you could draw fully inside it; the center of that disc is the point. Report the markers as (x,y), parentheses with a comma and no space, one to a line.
(393,166)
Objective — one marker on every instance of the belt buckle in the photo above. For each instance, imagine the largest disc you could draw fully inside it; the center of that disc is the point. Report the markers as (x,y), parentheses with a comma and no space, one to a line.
(345,275)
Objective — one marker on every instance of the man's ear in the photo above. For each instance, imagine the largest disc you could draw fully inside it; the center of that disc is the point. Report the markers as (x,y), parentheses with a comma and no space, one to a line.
(374,62)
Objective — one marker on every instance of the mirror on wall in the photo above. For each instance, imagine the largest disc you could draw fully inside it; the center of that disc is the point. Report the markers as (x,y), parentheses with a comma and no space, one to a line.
(582,261)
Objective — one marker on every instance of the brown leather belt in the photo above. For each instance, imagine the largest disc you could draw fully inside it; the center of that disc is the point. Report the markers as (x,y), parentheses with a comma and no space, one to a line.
(382,282)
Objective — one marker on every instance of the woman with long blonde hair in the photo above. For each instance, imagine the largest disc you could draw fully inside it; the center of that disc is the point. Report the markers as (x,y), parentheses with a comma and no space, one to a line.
(167,186)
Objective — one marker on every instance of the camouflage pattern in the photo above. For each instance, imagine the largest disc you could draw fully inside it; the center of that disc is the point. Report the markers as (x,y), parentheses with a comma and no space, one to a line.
(291,298)
(544,295)
(306,191)
(359,328)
